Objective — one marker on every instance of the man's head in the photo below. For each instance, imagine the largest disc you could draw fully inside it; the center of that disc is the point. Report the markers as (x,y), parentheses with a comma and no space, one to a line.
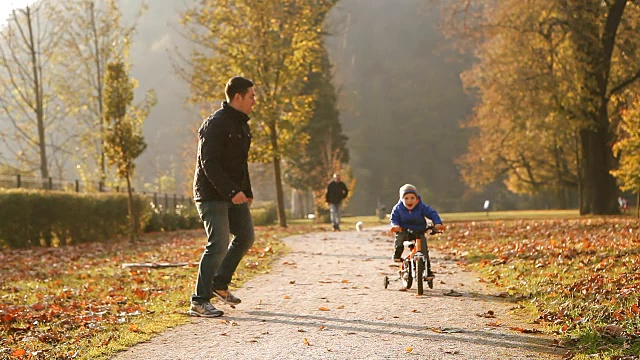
(240,94)
(409,196)
(336,177)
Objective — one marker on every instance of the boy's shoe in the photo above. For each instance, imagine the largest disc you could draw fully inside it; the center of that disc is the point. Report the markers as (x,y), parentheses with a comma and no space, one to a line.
(204,310)
(430,275)
(227,297)
(395,259)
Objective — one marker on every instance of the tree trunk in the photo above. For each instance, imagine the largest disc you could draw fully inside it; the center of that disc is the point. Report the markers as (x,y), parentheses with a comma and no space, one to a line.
(38,92)
(600,189)
(133,223)
(282,217)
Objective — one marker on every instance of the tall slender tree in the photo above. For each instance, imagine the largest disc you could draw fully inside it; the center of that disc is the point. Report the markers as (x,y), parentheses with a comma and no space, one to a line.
(326,151)
(272,42)
(95,36)
(27,58)
(124,142)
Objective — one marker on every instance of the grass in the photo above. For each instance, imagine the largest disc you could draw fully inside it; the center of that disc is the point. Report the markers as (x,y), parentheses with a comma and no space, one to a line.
(79,302)
(577,276)
(512,215)
(580,275)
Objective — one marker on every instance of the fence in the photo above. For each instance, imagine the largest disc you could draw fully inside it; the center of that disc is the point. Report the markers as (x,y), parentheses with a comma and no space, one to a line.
(159,200)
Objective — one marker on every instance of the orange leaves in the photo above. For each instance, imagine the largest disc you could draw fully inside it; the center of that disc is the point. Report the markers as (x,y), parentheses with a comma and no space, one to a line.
(524,330)
(18,353)
(580,271)
(72,291)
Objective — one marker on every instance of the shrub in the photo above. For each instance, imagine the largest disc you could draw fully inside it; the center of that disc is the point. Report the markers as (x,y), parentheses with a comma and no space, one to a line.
(53,218)
(182,217)
(264,213)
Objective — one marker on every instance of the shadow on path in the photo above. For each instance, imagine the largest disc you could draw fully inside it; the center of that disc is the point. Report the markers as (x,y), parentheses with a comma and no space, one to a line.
(486,337)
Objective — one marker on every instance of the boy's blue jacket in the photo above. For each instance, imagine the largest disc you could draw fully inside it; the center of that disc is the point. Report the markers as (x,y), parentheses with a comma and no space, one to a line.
(413,219)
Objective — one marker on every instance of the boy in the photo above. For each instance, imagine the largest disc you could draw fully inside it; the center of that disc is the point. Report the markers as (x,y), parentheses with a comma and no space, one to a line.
(410,213)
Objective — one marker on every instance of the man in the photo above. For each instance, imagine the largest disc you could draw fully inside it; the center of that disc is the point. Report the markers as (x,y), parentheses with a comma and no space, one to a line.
(336,192)
(222,192)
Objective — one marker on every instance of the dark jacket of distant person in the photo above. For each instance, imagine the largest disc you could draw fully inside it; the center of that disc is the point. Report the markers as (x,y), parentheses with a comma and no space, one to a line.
(222,168)
(336,192)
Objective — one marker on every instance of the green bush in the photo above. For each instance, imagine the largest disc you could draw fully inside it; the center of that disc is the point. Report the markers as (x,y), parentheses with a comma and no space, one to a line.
(183,217)
(53,218)
(264,213)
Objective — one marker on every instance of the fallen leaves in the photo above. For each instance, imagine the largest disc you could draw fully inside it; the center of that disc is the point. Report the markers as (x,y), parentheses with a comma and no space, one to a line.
(489,314)
(69,297)
(559,265)
(524,330)
(452,293)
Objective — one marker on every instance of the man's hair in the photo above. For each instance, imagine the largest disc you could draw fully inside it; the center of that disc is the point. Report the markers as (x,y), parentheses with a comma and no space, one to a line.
(237,85)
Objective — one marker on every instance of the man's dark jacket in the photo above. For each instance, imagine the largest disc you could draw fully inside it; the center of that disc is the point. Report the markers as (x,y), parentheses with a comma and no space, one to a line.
(336,191)
(222,168)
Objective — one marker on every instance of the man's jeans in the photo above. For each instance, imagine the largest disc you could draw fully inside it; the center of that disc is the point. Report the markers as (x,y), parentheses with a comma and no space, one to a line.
(221,258)
(335,212)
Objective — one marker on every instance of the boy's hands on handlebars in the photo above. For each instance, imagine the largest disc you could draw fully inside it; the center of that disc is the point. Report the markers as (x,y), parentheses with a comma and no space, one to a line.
(438,227)
(395,228)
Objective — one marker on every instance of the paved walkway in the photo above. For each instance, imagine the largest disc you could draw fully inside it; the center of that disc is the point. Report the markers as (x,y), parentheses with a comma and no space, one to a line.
(325,300)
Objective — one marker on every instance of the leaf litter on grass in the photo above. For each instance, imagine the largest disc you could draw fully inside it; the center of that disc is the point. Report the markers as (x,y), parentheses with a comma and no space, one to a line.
(78,302)
(582,275)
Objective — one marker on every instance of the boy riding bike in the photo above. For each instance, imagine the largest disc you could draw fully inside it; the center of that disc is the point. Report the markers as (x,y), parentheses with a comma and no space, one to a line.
(408,219)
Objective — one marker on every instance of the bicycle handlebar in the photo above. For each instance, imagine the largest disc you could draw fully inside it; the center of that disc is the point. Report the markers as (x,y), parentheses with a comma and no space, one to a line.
(431,229)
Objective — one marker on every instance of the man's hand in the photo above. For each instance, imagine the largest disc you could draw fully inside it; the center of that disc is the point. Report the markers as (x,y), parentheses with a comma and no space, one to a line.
(439,227)
(250,200)
(239,198)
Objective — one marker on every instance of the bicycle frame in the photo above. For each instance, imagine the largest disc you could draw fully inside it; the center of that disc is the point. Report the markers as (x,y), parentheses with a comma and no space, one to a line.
(414,254)
(416,265)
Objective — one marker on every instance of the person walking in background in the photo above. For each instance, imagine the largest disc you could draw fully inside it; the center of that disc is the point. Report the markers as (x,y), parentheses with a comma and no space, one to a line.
(336,192)
(222,193)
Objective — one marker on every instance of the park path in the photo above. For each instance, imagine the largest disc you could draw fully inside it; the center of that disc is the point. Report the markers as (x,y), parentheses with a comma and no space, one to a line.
(325,300)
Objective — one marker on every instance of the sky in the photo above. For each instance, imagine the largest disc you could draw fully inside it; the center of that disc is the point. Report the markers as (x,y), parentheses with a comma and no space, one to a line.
(7,5)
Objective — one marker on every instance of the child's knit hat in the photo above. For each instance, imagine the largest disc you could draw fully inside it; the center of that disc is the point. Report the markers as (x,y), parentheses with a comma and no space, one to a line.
(407,188)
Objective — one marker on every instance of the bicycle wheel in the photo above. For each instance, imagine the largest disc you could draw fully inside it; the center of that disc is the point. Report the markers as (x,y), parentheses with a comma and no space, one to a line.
(420,275)
(407,279)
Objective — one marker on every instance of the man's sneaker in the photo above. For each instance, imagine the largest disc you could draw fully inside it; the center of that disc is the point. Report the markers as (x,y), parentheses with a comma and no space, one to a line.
(227,297)
(204,310)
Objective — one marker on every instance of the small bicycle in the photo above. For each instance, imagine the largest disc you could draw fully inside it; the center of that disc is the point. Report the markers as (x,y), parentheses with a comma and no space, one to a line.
(417,264)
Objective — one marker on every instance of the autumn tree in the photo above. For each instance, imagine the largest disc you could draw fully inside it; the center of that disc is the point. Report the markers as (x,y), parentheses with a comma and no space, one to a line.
(124,142)
(273,43)
(628,148)
(95,35)
(326,152)
(27,59)
(546,74)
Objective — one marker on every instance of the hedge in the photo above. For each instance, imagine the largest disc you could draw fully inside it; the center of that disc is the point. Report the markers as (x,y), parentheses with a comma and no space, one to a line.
(54,218)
